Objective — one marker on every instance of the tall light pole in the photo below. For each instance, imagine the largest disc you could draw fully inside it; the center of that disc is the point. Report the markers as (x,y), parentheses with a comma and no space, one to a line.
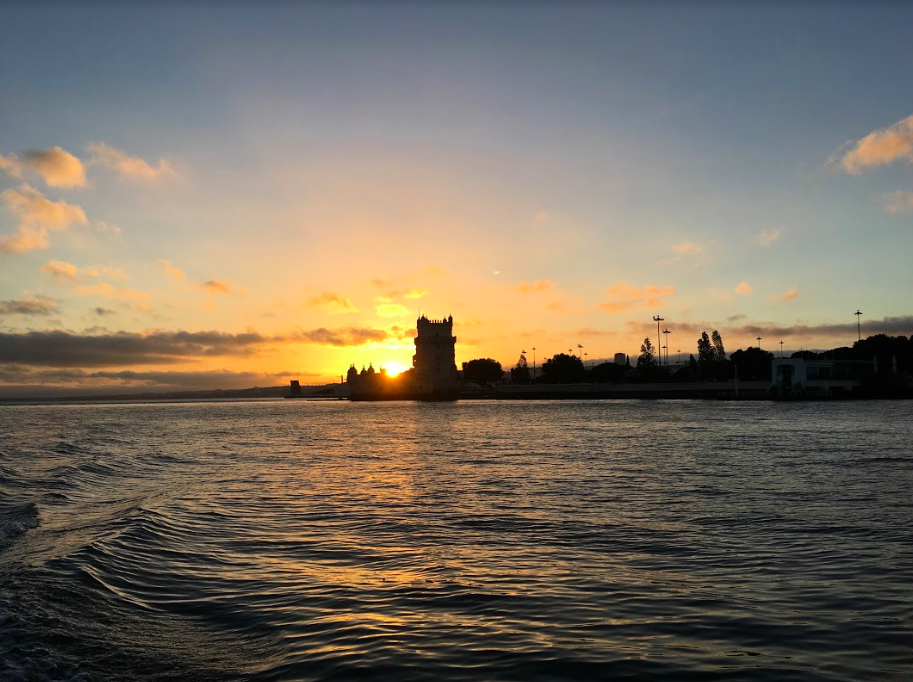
(781,350)
(534,363)
(658,319)
(759,343)
(584,360)
(858,315)
(666,333)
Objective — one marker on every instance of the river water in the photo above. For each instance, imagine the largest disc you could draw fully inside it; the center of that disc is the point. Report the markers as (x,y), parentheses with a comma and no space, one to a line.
(477,540)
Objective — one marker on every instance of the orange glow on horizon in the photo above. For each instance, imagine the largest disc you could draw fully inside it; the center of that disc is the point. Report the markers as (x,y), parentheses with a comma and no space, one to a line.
(394,368)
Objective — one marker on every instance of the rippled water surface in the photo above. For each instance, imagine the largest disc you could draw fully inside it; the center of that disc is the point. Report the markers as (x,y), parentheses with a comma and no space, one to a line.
(294,540)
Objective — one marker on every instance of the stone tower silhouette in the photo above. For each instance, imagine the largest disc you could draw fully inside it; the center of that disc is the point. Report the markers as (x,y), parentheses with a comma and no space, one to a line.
(435,357)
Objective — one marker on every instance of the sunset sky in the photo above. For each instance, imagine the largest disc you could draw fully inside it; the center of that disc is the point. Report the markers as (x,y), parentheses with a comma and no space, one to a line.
(212,196)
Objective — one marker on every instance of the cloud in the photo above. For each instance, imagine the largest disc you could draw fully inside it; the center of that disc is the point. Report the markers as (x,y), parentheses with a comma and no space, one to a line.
(688,247)
(790,295)
(736,317)
(107,228)
(889,325)
(37,216)
(537,287)
(37,305)
(333,303)
(64,349)
(392,310)
(62,271)
(127,166)
(105,271)
(124,294)
(59,270)
(47,382)
(897,201)
(172,270)
(624,296)
(56,166)
(878,148)
(102,312)
(589,332)
(744,289)
(350,336)
(390,291)
(216,286)
(768,237)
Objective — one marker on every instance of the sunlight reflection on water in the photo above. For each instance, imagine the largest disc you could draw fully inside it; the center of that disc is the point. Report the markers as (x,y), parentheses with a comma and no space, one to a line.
(524,540)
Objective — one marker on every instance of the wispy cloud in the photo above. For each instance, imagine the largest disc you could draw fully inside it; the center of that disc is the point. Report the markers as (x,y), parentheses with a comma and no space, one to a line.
(897,201)
(389,291)
(333,303)
(107,228)
(217,286)
(56,166)
(37,217)
(688,247)
(790,295)
(128,166)
(768,237)
(35,305)
(65,349)
(392,310)
(348,336)
(878,148)
(888,325)
(540,286)
(744,289)
(61,271)
(624,296)
(110,292)
(172,270)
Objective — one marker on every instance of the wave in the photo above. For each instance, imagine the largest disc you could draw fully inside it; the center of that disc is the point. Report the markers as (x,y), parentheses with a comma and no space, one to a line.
(16,520)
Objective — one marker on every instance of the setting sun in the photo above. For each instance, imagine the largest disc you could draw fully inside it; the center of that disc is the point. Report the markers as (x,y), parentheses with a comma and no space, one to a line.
(394,368)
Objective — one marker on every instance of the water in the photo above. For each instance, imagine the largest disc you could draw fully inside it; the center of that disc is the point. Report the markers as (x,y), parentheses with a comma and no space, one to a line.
(292,540)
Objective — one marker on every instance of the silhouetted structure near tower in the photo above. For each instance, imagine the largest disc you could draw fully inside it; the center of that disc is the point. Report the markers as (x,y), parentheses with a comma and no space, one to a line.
(433,375)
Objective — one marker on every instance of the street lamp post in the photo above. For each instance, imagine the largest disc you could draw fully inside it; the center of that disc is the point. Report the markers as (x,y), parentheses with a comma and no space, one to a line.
(781,350)
(759,343)
(534,363)
(658,319)
(666,333)
(858,315)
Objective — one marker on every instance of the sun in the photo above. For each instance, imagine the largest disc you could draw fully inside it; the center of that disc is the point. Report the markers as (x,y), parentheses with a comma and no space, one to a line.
(394,368)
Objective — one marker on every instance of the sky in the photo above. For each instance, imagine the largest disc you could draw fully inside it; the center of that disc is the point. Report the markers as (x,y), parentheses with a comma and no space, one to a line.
(206,195)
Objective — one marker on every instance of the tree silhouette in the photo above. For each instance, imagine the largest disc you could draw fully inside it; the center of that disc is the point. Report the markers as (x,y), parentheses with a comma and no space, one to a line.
(719,353)
(647,359)
(563,369)
(482,371)
(704,353)
(753,363)
(608,373)
(520,373)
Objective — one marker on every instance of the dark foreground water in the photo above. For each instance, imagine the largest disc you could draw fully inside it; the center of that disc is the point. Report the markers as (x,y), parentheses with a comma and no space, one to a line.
(290,540)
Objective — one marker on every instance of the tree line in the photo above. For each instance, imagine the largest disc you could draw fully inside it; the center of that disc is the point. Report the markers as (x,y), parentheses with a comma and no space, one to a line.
(711,363)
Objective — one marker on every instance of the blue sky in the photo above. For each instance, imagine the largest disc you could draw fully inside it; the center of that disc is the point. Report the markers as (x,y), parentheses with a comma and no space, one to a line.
(549,174)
